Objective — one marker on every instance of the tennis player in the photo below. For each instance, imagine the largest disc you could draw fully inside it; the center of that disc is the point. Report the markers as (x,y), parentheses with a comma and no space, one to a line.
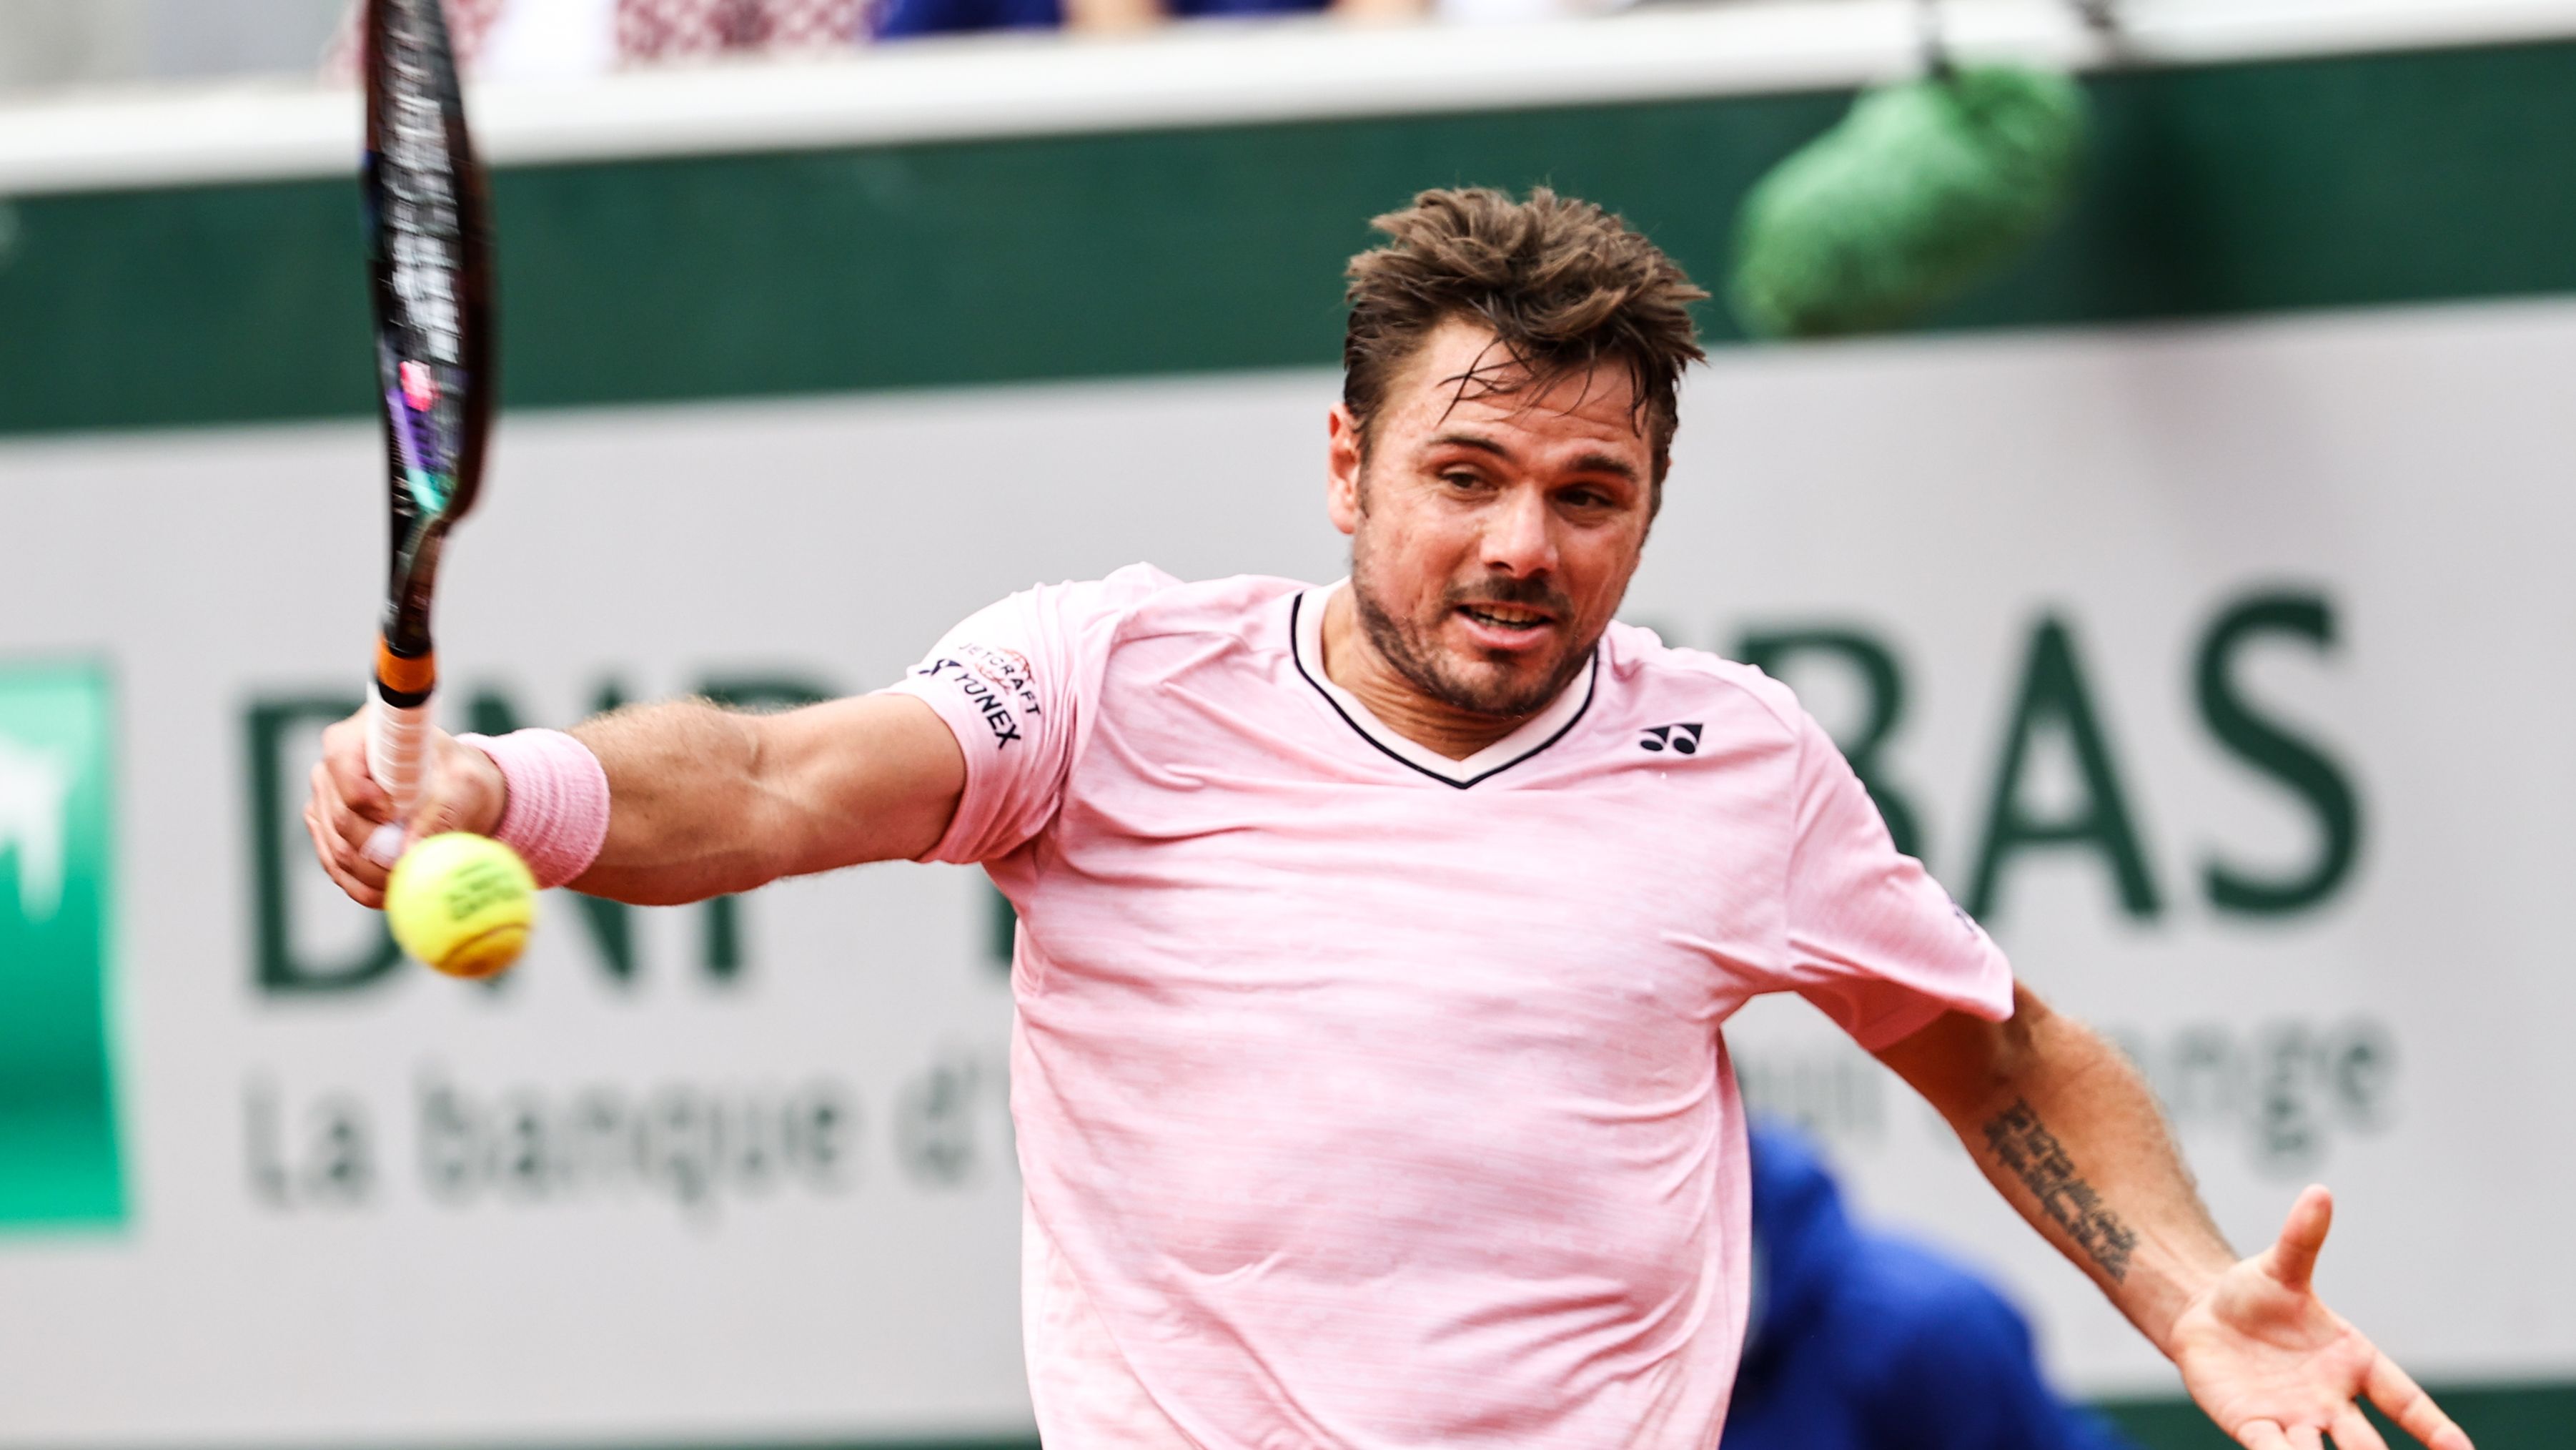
(1376,936)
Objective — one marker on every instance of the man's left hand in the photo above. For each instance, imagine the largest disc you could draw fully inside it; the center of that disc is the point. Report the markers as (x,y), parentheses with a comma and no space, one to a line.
(2277,1369)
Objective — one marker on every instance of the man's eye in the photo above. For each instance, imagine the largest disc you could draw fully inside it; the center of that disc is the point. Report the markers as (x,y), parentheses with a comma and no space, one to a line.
(1462,480)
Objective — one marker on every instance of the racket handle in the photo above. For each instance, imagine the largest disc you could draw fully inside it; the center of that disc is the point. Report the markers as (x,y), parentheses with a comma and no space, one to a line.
(397,753)
(398,734)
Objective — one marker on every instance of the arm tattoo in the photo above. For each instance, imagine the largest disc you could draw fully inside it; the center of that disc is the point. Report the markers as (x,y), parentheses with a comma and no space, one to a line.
(2023,1144)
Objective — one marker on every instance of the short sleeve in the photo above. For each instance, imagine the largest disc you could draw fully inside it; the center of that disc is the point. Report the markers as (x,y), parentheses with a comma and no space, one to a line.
(1873,940)
(1016,683)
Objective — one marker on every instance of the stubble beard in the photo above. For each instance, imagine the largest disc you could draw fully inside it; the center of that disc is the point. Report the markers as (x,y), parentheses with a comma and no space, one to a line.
(1424,665)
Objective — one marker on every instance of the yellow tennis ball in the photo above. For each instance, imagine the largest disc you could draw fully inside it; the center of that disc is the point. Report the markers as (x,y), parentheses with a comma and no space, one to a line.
(462,903)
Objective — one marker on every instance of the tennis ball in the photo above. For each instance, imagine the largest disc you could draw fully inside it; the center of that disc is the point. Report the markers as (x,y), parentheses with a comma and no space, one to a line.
(462,903)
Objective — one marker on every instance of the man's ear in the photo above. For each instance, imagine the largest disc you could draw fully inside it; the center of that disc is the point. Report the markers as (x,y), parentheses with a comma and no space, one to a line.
(1344,455)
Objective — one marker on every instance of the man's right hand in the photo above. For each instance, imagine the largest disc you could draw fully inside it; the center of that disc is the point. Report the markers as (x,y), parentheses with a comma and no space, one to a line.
(465,792)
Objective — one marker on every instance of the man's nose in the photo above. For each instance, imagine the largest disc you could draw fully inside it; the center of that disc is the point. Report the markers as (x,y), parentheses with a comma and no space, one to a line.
(1518,540)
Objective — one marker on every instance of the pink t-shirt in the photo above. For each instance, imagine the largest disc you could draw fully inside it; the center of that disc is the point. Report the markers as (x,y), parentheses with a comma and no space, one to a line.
(1369,1098)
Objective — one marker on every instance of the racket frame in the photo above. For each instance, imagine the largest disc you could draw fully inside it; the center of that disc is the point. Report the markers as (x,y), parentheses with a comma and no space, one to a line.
(431,288)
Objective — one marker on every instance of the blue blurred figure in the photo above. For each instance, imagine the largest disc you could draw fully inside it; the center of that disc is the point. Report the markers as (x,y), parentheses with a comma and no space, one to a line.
(1860,1341)
(897,19)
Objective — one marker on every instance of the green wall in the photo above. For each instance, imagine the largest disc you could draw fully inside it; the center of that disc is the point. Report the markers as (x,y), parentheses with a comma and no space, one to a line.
(2497,1417)
(2217,190)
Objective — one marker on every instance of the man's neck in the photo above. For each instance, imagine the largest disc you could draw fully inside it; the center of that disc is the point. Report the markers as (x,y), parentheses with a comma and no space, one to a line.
(1353,662)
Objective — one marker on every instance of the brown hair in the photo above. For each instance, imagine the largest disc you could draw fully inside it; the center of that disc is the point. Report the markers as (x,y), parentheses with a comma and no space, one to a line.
(1563,284)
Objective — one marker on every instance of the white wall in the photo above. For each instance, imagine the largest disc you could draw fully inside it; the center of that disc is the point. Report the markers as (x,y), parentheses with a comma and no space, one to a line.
(2405,467)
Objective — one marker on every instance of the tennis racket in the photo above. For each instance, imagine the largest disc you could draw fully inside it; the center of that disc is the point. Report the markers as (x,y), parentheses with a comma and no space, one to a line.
(430,259)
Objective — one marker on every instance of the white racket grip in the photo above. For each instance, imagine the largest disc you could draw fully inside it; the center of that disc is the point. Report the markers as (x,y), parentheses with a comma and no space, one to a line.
(397,752)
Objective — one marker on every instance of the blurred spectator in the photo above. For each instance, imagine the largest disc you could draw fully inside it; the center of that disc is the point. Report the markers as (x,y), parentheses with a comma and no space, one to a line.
(895,19)
(656,30)
(521,39)
(899,19)
(1862,1341)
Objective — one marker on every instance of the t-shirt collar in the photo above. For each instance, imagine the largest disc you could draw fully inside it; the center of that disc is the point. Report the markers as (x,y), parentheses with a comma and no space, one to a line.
(1532,736)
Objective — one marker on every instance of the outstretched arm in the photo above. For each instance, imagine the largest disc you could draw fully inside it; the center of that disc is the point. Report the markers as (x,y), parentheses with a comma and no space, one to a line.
(703,800)
(2069,1134)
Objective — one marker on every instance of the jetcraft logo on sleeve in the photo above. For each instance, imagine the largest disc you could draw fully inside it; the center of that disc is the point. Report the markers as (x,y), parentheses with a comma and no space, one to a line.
(59,1167)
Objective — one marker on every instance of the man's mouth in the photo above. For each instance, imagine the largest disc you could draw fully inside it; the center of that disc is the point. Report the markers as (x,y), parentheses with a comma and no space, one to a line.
(1506,616)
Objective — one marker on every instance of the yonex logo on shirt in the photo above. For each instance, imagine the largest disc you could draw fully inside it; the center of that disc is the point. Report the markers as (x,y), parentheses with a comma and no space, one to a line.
(978,684)
(1679,739)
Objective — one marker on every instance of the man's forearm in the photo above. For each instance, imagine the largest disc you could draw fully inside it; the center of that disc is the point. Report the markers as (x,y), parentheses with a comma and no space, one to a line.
(704,801)
(2070,1134)
(685,801)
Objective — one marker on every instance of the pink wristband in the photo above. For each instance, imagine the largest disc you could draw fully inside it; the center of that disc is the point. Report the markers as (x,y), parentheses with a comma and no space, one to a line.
(557,814)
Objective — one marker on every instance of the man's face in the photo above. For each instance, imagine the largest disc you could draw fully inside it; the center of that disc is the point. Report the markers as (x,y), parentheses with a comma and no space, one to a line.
(1492,532)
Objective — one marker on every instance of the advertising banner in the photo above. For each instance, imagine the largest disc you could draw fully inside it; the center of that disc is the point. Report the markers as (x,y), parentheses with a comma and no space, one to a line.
(2222,669)
(58,1150)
